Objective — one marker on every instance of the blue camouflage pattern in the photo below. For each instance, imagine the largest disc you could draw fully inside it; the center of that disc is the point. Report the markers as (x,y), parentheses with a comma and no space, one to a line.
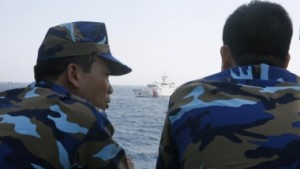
(74,39)
(244,117)
(44,126)
(81,38)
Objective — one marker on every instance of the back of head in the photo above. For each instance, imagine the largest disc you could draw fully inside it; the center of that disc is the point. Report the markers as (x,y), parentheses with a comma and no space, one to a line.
(259,32)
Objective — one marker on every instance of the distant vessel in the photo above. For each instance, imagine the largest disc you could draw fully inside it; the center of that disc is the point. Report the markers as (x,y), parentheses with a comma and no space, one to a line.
(156,89)
(145,92)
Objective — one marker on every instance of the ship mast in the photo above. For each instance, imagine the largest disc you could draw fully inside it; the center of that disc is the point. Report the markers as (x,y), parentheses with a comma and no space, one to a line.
(164,77)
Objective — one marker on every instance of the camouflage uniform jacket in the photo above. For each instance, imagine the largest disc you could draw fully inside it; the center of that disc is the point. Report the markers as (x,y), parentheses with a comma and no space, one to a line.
(244,117)
(43,126)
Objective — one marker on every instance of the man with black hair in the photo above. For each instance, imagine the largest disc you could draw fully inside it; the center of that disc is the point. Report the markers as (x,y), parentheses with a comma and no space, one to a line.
(247,115)
(59,120)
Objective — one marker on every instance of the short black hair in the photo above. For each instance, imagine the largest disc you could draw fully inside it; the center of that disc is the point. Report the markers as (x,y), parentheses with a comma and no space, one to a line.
(258,32)
(50,70)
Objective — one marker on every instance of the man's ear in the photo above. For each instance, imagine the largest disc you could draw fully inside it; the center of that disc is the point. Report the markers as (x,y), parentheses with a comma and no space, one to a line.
(226,56)
(73,73)
(286,61)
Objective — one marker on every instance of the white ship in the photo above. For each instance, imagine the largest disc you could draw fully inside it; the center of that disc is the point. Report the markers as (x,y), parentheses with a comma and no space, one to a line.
(156,89)
(145,92)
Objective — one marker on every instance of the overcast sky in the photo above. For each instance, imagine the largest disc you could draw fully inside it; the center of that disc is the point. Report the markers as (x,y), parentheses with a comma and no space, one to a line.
(180,38)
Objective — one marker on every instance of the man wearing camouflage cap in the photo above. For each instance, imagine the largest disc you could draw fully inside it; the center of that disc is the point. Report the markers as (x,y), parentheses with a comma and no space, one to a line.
(55,122)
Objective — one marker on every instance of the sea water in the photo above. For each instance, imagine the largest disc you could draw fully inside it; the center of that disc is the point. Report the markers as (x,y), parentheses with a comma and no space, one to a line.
(138,123)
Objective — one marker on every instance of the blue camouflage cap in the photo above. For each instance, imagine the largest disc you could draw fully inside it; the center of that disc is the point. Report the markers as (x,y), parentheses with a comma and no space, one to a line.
(80,38)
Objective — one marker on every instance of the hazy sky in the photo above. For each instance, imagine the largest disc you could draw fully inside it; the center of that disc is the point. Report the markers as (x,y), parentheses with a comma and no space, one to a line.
(180,38)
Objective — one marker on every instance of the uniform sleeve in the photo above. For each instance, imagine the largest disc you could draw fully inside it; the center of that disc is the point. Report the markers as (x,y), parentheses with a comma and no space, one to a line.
(167,154)
(99,150)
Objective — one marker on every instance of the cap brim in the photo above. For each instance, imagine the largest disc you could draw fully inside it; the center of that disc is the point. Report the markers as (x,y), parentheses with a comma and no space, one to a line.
(117,67)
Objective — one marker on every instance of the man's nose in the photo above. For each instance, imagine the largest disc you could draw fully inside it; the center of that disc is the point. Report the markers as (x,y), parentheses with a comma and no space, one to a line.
(110,89)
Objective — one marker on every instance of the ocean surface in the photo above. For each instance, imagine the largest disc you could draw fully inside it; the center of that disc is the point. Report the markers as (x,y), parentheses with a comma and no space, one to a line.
(138,123)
